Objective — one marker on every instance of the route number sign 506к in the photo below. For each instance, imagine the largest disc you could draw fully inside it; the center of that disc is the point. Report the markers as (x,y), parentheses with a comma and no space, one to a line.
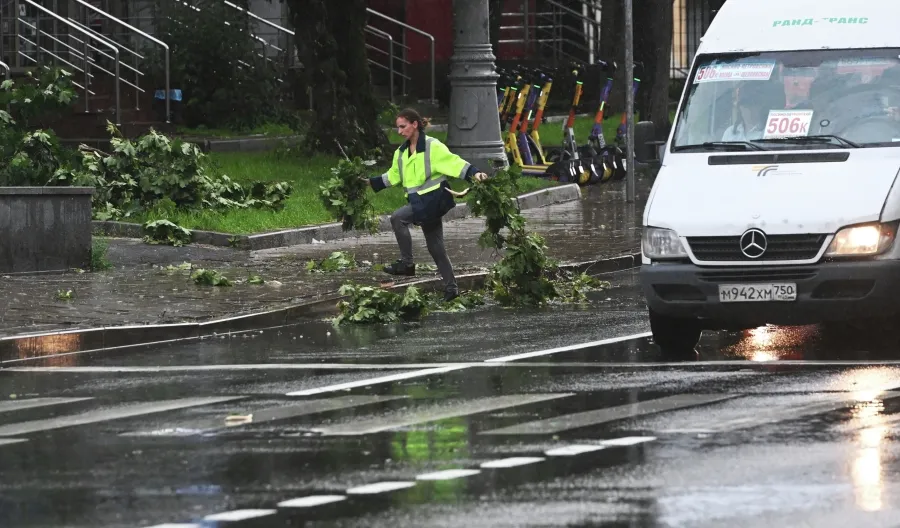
(788,123)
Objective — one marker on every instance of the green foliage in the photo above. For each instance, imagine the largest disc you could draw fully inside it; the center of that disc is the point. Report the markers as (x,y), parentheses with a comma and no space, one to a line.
(346,196)
(216,63)
(369,304)
(466,301)
(165,232)
(30,157)
(255,279)
(99,262)
(574,288)
(522,277)
(210,278)
(39,98)
(495,200)
(162,174)
(525,275)
(65,295)
(337,261)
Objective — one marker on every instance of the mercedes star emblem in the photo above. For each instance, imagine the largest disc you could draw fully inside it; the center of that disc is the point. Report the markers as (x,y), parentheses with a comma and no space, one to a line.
(754,243)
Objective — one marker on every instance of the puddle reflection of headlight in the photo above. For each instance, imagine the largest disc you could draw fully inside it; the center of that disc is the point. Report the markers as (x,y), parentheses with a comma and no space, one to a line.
(866,470)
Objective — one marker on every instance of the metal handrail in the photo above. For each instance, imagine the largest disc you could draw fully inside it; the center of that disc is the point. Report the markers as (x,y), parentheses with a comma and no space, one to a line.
(420,32)
(123,47)
(87,35)
(390,40)
(141,33)
(261,40)
(261,19)
(5,69)
(572,11)
(107,55)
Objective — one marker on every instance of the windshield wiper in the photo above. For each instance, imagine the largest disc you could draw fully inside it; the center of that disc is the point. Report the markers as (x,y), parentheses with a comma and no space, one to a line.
(819,138)
(720,145)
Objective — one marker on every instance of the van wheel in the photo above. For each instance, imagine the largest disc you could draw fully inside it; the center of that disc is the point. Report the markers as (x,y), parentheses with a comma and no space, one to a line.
(675,336)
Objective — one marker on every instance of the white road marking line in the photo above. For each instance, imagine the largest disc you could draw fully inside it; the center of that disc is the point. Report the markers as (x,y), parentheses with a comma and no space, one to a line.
(239,515)
(374,381)
(511,462)
(122,411)
(33,403)
(238,367)
(628,440)
(573,450)
(570,348)
(608,414)
(434,413)
(311,501)
(176,525)
(490,363)
(10,441)
(448,474)
(380,487)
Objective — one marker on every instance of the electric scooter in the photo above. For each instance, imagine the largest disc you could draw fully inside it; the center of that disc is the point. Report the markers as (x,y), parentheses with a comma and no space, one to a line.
(534,137)
(569,148)
(619,155)
(511,142)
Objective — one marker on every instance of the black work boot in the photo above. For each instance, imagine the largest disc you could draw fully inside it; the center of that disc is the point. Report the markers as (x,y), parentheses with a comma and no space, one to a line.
(400,268)
(449,295)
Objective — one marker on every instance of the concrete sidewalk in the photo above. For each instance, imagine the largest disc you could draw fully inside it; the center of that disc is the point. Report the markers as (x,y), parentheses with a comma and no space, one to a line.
(139,291)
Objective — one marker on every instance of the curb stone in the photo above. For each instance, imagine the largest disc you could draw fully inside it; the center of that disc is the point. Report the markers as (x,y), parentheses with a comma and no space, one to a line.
(28,347)
(327,232)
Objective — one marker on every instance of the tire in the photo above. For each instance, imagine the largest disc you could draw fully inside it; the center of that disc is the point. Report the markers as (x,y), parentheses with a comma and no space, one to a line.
(676,337)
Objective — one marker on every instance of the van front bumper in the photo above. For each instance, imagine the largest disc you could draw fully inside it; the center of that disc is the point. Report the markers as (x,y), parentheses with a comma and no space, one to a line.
(826,292)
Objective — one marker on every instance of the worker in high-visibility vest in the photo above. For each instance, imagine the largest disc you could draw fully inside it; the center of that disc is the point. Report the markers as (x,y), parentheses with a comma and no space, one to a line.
(422,165)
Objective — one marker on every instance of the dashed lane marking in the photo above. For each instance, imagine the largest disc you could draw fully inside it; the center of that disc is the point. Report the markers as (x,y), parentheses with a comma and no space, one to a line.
(448,474)
(511,462)
(380,487)
(239,515)
(312,501)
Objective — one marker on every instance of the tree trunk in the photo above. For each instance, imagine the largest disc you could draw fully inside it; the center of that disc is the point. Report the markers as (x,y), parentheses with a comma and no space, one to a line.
(612,49)
(653,47)
(330,41)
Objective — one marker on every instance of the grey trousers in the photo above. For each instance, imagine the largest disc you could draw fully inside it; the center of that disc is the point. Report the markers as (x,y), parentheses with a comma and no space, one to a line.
(434,239)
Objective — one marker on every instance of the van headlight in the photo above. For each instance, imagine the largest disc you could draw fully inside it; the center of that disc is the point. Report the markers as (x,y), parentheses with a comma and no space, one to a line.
(862,240)
(660,244)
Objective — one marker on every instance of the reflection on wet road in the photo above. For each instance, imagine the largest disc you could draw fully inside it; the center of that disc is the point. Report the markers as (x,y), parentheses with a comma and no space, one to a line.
(554,417)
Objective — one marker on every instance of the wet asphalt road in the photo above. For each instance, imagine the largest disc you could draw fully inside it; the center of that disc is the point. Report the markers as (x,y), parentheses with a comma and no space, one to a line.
(566,416)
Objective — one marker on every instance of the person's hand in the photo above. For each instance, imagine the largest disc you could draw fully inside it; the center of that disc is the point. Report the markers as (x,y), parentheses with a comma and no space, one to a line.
(480,177)
(364,179)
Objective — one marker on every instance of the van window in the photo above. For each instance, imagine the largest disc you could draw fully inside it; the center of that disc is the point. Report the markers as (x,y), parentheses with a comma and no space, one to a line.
(770,99)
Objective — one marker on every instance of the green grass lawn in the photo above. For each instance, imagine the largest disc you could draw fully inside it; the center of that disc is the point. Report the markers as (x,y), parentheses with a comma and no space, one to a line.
(303,207)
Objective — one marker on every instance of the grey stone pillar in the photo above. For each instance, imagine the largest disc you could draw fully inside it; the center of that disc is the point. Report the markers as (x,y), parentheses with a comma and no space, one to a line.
(473,130)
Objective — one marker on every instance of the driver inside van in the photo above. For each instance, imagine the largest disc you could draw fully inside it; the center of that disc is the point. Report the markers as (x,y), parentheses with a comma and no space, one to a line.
(748,116)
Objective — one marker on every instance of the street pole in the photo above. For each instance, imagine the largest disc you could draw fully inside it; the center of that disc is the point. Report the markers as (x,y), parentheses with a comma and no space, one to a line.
(473,131)
(629,101)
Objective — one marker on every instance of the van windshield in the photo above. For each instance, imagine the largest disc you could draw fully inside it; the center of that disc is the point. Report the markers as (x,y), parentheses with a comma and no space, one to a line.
(792,100)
